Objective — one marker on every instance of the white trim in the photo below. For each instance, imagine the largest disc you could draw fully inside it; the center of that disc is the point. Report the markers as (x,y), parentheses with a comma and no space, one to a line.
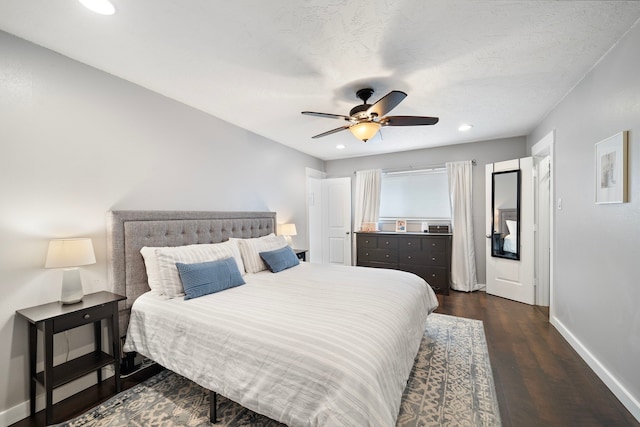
(23,410)
(546,147)
(623,395)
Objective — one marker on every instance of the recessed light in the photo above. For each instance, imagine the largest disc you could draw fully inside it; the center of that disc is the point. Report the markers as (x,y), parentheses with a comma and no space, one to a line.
(465,127)
(103,7)
(340,146)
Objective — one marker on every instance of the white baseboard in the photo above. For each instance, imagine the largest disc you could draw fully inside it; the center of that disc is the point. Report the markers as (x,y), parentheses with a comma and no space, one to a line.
(23,410)
(623,395)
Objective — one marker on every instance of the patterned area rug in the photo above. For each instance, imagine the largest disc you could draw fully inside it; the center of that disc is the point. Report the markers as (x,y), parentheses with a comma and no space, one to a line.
(451,384)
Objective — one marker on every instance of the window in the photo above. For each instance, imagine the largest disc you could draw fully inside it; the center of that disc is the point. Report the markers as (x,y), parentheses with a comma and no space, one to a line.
(415,194)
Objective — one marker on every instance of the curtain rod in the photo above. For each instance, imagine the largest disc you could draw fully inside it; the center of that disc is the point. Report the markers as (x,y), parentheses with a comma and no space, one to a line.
(421,168)
(418,169)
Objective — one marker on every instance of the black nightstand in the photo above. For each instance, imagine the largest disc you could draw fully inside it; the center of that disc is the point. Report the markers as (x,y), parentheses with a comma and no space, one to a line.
(301,254)
(55,317)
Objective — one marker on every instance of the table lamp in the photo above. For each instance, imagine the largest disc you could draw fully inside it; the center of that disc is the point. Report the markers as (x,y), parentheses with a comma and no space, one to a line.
(287,230)
(70,254)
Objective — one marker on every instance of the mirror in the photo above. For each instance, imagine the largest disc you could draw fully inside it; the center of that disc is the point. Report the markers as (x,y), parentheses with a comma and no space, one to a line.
(505,209)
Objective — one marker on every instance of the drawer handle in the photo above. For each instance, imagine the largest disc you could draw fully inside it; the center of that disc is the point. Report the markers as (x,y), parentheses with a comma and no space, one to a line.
(409,257)
(366,253)
(387,256)
(433,244)
(409,243)
(386,243)
(433,259)
(86,316)
(433,275)
(366,241)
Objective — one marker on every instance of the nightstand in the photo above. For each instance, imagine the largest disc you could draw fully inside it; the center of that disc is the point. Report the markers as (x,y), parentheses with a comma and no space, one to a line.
(301,254)
(54,318)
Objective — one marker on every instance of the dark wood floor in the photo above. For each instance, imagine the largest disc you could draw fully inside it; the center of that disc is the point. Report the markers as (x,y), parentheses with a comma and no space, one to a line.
(540,380)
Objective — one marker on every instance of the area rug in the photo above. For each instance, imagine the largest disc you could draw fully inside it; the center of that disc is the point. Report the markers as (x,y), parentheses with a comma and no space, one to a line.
(451,384)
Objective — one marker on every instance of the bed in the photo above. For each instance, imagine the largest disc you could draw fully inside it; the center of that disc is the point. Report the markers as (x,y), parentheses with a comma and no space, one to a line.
(312,345)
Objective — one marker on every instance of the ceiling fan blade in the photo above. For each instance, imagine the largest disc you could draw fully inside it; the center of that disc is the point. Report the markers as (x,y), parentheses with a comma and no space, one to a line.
(326,115)
(408,121)
(329,132)
(387,103)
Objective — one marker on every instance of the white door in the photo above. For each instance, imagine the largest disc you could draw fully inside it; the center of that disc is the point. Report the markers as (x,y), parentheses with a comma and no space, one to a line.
(336,221)
(511,278)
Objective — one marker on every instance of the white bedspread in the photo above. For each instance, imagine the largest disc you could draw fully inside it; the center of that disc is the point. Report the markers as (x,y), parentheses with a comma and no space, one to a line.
(314,345)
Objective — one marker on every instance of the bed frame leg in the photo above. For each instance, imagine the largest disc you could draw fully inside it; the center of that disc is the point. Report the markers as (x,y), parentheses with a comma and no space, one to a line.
(213,405)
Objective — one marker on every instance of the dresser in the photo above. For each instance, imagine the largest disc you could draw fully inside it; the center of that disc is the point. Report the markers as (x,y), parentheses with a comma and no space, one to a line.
(426,255)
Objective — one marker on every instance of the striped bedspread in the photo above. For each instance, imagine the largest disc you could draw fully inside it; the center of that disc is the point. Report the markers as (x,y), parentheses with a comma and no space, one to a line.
(314,345)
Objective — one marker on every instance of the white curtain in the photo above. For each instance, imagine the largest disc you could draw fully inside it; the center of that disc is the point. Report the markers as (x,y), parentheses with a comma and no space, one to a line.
(367,200)
(463,257)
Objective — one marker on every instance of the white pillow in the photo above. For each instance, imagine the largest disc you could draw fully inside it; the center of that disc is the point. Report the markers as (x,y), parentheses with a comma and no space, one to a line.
(251,248)
(151,264)
(512,226)
(167,257)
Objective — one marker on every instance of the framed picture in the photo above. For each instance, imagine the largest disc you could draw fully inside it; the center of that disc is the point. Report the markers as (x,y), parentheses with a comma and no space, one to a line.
(401,225)
(611,169)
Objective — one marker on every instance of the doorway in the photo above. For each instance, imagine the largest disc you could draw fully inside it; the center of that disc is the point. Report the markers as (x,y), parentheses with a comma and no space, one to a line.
(329,219)
(542,153)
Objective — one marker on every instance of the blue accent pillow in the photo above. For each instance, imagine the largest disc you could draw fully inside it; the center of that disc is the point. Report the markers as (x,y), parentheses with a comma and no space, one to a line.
(280,259)
(209,277)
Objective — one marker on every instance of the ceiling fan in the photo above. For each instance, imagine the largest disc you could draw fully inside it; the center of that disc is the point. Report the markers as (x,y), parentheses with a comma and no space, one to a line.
(366,119)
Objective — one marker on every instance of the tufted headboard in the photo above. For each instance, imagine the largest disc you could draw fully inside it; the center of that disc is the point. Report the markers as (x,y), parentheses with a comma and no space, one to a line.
(129,231)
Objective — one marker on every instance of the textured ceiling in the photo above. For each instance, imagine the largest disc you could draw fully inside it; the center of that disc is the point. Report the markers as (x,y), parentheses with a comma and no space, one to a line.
(499,65)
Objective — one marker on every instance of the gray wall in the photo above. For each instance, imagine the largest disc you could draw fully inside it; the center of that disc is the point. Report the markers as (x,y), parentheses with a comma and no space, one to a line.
(76,142)
(597,258)
(483,152)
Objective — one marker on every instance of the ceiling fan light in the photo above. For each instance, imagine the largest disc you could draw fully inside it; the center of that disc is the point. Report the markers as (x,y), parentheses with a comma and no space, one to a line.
(365,130)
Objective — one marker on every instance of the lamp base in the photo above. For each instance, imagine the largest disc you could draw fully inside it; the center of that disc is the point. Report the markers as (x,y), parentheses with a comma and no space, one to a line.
(71,286)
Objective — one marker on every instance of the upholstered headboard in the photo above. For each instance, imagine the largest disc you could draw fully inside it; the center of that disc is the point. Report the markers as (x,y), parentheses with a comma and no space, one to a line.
(129,231)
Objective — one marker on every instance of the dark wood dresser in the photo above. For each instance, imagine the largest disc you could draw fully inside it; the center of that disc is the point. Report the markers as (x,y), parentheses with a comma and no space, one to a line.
(427,255)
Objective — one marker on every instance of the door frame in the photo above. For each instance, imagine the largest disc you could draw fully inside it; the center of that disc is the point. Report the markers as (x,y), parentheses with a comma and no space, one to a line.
(507,278)
(314,214)
(543,148)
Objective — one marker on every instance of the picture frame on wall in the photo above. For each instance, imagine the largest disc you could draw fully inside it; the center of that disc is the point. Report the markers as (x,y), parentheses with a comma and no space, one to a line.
(611,169)
(401,225)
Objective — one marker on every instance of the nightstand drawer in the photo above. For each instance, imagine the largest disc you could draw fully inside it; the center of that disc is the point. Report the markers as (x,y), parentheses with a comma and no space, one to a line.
(81,317)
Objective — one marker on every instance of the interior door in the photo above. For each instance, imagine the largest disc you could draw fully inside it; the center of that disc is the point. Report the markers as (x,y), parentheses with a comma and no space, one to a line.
(336,221)
(512,278)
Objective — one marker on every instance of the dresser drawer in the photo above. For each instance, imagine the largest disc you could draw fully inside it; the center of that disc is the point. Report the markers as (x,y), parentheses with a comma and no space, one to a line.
(365,241)
(438,259)
(385,242)
(81,317)
(436,277)
(410,244)
(434,244)
(379,255)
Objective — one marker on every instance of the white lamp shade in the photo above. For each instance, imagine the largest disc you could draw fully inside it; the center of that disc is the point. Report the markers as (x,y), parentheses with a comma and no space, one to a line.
(65,253)
(287,230)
